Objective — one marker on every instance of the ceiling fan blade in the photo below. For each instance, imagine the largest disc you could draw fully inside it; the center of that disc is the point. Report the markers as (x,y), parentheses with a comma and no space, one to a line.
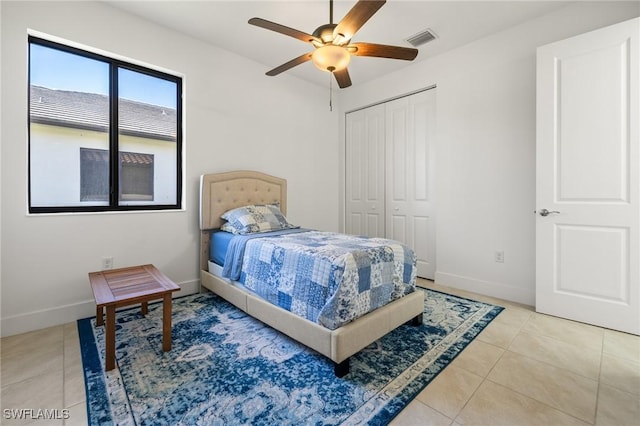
(383,51)
(342,77)
(291,32)
(356,17)
(288,65)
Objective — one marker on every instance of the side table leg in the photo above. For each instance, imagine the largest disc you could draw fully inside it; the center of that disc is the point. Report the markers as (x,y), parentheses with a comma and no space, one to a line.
(144,308)
(166,322)
(99,316)
(110,339)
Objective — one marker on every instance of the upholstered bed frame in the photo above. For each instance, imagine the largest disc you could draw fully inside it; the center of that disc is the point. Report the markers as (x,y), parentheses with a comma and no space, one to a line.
(220,192)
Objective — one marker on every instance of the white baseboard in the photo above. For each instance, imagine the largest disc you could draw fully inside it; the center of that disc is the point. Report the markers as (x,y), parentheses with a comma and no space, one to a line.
(36,320)
(525,296)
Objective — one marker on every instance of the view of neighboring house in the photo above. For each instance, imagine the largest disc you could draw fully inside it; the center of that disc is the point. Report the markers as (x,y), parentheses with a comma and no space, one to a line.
(69,138)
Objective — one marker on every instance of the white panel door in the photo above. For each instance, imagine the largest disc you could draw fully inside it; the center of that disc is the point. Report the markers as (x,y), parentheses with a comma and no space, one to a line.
(588,181)
(365,172)
(410,168)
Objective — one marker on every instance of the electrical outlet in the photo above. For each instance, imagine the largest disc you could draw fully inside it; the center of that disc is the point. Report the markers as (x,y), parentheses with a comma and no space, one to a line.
(499,256)
(107,262)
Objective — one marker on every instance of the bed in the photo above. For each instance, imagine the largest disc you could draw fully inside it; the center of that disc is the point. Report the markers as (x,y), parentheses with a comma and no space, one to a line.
(221,192)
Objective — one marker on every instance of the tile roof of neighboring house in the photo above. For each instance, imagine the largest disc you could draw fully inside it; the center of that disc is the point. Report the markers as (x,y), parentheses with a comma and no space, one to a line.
(91,111)
(102,156)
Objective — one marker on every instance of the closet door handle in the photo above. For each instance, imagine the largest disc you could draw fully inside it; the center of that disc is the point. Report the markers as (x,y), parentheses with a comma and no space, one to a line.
(545,212)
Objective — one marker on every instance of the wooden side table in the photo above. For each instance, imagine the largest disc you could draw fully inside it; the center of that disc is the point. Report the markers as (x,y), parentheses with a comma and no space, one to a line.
(115,288)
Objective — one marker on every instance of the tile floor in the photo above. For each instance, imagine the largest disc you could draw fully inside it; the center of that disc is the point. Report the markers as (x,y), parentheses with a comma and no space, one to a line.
(532,369)
(523,369)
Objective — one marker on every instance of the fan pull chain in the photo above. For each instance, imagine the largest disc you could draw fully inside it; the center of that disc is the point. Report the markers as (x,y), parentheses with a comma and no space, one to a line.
(331,92)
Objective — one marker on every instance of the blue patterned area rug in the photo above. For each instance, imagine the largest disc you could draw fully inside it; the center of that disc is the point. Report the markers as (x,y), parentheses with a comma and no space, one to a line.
(226,368)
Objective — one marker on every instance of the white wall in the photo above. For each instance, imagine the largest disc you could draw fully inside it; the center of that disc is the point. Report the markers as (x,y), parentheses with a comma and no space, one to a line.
(235,118)
(1,202)
(486,146)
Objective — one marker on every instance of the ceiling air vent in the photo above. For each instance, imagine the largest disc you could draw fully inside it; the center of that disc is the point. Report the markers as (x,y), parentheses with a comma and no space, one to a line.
(422,37)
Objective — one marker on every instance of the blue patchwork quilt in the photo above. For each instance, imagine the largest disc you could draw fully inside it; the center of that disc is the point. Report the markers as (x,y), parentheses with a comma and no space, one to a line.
(328,278)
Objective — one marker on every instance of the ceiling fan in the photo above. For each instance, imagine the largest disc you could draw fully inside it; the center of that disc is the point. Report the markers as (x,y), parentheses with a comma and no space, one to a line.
(332,42)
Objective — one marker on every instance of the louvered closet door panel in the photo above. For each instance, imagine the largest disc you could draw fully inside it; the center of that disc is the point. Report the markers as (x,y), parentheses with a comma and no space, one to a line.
(365,207)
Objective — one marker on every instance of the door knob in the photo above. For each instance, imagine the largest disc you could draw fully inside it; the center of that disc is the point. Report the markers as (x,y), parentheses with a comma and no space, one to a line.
(545,212)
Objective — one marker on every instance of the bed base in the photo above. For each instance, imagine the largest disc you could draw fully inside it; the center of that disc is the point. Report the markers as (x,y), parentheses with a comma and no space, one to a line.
(338,345)
(341,369)
(220,192)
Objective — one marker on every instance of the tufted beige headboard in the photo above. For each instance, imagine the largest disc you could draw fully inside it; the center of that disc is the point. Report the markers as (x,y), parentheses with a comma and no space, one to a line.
(220,192)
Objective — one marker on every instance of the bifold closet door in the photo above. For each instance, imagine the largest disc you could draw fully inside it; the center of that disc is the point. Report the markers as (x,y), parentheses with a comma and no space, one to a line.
(410,170)
(365,172)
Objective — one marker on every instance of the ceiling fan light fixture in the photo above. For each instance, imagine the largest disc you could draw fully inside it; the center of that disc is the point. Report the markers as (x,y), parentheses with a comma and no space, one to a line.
(331,58)
(325,33)
(332,42)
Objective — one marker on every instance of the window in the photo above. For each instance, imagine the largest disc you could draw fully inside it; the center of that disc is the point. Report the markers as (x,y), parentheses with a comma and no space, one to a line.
(104,135)
(136,175)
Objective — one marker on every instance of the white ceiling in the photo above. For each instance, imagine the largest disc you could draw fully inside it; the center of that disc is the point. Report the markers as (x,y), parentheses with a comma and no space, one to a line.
(224,24)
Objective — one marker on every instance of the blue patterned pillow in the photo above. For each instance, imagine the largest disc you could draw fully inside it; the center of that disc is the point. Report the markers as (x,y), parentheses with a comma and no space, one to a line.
(255,218)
